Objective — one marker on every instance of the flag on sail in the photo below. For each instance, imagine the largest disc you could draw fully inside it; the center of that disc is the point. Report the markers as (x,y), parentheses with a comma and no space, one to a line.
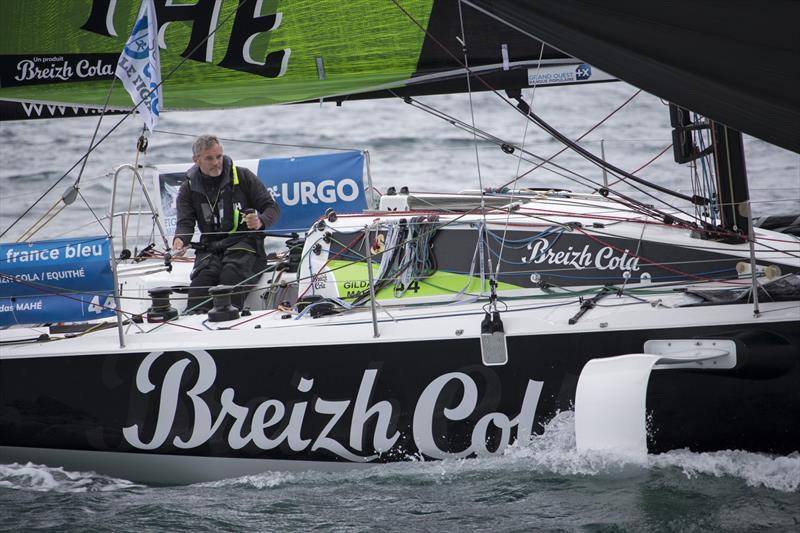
(139,66)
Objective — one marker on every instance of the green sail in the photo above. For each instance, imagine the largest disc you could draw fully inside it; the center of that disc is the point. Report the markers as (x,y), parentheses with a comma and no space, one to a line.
(53,51)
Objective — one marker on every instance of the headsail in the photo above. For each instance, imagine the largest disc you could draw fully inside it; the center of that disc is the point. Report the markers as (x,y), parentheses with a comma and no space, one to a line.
(236,53)
(733,62)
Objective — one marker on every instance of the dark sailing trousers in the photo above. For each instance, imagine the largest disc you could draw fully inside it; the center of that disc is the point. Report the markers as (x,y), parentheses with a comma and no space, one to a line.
(239,263)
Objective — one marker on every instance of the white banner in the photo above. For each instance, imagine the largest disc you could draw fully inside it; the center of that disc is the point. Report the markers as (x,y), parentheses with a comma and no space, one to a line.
(139,66)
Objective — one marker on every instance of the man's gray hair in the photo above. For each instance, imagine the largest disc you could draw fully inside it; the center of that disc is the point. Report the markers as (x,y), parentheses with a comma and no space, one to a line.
(204,142)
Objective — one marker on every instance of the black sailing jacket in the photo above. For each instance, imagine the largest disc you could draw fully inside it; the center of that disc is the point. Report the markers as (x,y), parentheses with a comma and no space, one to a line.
(216,205)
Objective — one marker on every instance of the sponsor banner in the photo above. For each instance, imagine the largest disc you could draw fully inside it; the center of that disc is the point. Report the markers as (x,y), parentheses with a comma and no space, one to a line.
(560,74)
(36,69)
(168,181)
(304,187)
(64,280)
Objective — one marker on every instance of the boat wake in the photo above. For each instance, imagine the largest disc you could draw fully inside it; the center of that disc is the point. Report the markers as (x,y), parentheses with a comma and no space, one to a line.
(780,473)
(46,479)
(552,454)
(555,453)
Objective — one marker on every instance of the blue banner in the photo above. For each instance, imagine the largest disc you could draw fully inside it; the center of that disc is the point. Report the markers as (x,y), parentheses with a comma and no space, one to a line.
(63,280)
(305,187)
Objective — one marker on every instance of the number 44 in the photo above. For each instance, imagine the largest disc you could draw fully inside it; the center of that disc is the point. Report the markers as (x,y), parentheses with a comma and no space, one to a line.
(95,307)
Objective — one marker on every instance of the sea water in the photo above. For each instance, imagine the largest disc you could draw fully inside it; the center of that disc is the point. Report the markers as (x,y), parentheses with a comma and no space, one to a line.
(541,485)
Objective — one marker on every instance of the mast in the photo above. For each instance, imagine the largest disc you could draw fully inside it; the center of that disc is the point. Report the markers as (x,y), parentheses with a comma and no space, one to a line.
(732,190)
(727,149)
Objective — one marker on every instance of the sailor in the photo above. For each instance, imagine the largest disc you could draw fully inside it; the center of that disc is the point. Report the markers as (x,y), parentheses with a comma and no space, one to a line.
(231,206)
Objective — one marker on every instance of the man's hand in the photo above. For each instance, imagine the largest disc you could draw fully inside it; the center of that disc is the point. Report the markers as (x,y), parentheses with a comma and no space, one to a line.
(178,247)
(252,220)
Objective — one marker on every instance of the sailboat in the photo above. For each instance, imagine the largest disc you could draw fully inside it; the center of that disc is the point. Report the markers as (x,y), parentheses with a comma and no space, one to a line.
(428,325)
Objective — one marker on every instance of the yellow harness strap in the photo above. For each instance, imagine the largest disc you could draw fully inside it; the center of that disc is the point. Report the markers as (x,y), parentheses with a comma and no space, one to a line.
(235,211)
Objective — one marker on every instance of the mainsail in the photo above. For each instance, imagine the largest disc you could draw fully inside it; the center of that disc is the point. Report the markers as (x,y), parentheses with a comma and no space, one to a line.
(733,62)
(237,53)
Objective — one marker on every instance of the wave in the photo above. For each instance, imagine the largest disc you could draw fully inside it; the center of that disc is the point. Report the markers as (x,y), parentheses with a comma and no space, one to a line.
(554,453)
(43,478)
(32,178)
(551,454)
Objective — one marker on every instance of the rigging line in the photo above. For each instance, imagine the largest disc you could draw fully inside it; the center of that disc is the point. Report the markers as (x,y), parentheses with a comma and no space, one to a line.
(637,252)
(265,143)
(453,221)
(70,297)
(519,160)
(463,41)
(761,202)
(42,222)
(510,25)
(38,287)
(245,290)
(73,230)
(587,132)
(630,202)
(96,129)
(651,262)
(773,202)
(770,248)
(31,231)
(152,236)
(142,143)
(644,209)
(126,116)
(533,94)
(534,269)
(551,130)
(526,110)
(362,236)
(697,187)
(108,174)
(93,214)
(254,317)
(524,214)
(588,182)
(662,152)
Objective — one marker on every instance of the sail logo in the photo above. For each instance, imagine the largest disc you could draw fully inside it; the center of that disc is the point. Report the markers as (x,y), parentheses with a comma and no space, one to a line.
(606,258)
(34,69)
(203,17)
(565,74)
(272,423)
(583,72)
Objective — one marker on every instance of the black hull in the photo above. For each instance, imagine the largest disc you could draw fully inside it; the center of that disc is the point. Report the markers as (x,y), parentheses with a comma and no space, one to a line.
(383,402)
